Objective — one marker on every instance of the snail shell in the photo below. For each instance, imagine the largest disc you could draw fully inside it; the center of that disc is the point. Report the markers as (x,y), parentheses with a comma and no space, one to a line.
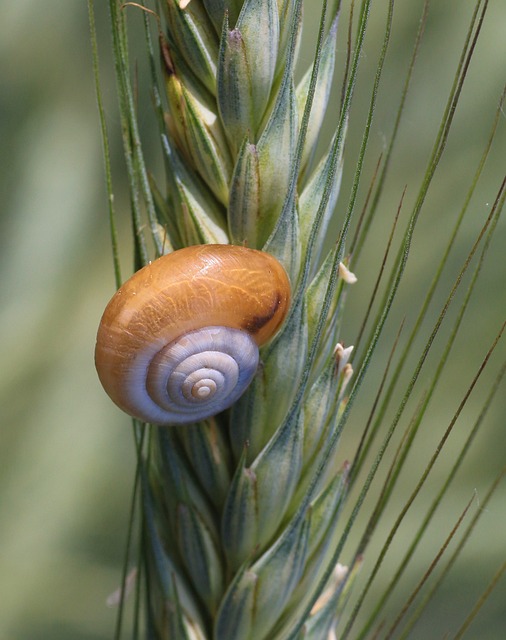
(178,342)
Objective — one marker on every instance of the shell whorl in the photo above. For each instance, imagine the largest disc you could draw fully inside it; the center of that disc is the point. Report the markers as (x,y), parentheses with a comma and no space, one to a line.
(179,340)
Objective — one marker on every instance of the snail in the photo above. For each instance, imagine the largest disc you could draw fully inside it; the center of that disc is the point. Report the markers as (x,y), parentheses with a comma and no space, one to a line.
(178,342)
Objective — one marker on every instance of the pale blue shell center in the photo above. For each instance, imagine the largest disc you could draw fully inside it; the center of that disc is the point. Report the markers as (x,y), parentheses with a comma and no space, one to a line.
(201,373)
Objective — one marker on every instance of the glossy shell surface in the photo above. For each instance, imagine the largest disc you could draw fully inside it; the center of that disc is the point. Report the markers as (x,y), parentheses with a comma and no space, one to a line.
(195,288)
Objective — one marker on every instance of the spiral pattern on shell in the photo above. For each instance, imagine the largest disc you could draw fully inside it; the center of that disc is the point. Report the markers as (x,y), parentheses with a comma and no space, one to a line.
(178,342)
(195,376)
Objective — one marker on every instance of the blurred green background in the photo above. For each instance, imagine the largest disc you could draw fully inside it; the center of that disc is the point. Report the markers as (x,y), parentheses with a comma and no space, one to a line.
(66,456)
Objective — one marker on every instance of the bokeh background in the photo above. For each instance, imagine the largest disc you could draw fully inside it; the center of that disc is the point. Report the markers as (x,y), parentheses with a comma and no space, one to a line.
(66,454)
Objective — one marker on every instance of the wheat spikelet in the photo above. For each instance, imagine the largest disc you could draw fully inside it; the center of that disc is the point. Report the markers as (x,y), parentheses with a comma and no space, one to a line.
(241,535)
(240,513)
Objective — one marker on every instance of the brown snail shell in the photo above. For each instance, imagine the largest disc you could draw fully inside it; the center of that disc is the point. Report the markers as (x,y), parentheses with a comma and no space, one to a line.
(178,342)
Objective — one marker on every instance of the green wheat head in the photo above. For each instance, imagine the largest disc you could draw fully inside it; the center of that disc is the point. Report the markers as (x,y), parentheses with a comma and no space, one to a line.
(241,515)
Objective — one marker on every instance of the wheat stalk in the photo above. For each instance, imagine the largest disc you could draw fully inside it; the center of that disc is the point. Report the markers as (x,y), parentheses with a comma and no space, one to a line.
(241,531)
